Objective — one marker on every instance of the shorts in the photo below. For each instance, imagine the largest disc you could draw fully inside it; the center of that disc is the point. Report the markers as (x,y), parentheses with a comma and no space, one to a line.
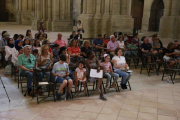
(61,79)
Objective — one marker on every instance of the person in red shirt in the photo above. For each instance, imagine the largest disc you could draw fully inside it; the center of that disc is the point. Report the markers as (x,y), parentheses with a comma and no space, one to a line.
(105,40)
(60,41)
(73,50)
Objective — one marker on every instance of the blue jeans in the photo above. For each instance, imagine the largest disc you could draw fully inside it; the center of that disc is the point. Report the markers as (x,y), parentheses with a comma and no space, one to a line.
(109,75)
(125,76)
(29,76)
(47,75)
(61,79)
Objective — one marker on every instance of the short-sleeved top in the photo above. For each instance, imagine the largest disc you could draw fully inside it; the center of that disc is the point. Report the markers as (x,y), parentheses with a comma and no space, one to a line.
(121,44)
(83,49)
(80,73)
(76,37)
(98,41)
(132,46)
(79,26)
(71,36)
(106,66)
(73,50)
(59,68)
(146,46)
(119,60)
(60,42)
(55,52)
(28,63)
(137,42)
(106,41)
(112,45)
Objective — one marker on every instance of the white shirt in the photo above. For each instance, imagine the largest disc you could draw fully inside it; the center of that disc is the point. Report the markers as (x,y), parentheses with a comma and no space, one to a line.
(79,26)
(14,55)
(121,44)
(8,51)
(150,41)
(119,61)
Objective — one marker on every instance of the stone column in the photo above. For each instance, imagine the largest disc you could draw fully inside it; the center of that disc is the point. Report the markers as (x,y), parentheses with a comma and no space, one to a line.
(115,7)
(90,6)
(49,15)
(62,9)
(84,6)
(43,4)
(175,8)
(123,8)
(24,5)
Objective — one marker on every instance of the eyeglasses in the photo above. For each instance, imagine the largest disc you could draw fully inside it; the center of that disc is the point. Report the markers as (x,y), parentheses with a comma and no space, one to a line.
(29,60)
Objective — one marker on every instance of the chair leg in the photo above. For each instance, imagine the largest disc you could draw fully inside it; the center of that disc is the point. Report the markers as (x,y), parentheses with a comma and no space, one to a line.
(163,75)
(129,85)
(53,93)
(141,69)
(103,87)
(156,70)
(87,89)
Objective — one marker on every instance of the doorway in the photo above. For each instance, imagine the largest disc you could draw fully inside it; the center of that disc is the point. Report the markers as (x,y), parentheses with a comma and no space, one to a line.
(3,13)
(157,11)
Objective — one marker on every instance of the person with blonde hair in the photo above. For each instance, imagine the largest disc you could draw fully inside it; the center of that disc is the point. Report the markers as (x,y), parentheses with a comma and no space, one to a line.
(86,47)
(45,60)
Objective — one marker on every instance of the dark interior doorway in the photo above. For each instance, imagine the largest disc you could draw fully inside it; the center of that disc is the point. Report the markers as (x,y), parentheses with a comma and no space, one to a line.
(3,13)
(157,11)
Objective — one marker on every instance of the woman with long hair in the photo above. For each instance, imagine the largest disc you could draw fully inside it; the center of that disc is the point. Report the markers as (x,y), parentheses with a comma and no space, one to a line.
(26,42)
(121,42)
(29,35)
(73,49)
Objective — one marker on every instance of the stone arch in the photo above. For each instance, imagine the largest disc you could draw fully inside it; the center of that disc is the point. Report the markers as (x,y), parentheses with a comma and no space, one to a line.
(156,12)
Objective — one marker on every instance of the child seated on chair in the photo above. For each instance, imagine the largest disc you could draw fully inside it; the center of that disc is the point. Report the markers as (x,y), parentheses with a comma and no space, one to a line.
(80,75)
(61,71)
(108,72)
(131,47)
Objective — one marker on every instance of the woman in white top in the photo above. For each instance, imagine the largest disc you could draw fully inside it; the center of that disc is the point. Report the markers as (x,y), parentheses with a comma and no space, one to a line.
(45,60)
(8,49)
(15,52)
(79,25)
(40,38)
(121,42)
(120,67)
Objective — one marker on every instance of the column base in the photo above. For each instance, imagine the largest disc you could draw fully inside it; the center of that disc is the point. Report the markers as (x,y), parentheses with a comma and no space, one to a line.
(62,25)
(35,24)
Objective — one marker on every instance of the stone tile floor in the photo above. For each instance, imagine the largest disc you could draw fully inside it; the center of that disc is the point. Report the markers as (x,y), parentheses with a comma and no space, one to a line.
(150,99)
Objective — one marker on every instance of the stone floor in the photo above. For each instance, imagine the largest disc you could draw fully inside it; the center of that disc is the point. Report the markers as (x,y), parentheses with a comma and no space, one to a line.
(149,99)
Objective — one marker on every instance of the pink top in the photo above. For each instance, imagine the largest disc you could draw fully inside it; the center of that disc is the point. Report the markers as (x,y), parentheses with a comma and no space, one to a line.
(112,45)
(80,73)
(60,42)
(106,66)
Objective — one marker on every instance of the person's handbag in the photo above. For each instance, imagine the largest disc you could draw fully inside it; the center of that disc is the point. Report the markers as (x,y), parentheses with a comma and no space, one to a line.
(83,31)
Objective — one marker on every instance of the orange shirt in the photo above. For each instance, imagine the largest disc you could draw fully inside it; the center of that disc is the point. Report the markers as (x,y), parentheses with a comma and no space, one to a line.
(106,41)
(73,50)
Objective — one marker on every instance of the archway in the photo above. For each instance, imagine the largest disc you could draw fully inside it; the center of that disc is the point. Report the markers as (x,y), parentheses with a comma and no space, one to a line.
(157,11)
(3,13)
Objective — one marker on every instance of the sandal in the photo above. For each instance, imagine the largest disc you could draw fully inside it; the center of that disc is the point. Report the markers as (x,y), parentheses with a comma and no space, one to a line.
(103,98)
(98,90)
(114,86)
(40,92)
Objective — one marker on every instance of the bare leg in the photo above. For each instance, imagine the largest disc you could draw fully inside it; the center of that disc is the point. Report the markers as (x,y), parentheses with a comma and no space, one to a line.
(75,83)
(84,84)
(62,86)
(70,83)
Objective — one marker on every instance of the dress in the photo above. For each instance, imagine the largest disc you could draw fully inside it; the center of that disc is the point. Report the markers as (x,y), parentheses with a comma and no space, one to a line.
(80,73)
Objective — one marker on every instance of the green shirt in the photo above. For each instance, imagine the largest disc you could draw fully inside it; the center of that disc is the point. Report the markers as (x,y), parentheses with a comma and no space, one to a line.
(132,46)
(27,63)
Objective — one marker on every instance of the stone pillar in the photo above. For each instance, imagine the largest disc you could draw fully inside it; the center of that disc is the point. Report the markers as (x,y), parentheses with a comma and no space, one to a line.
(84,6)
(38,14)
(49,15)
(90,6)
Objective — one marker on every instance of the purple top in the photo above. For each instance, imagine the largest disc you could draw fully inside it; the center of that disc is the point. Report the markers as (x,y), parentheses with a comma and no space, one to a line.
(112,45)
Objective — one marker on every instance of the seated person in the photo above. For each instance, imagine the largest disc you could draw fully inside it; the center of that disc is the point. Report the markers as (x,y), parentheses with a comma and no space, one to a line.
(72,36)
(20,37)
(43,60)
(8,49)
(112,45)
(61,72)
(152,39)
(26,42)
(37,46)
(105,40)
(79,37)
(15,52)
(86,47)
(29,35)
(121,42)
(45,37)
(125,38)
(156,43)
(35,53)
(98,44)
(93,63)
(3,41)
(26,63)
(132,46)
(63,50)
(56,51)
(61,42)
(146,48)
(176,44)
(136,38)
(73,50)
(120,67)
(46,42)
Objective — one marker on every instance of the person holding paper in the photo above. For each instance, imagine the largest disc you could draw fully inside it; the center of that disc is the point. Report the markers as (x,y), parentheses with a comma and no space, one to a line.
(108,72)
(93,63)
(80,75)
(120,67)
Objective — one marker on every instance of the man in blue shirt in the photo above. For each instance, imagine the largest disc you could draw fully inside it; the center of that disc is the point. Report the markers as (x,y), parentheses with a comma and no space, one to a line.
(98,44)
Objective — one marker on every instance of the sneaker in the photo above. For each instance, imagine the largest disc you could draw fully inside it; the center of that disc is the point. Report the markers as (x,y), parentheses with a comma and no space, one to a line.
(58,96)
(67,95)
(31,94)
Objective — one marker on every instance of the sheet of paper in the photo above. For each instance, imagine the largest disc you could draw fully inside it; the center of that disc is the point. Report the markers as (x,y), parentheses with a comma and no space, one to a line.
(43,83)
(93,73)
(130,71)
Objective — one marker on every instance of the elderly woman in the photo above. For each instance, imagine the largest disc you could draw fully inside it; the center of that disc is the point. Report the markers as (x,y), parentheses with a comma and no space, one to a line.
(86,47)
(45,60)
(121,42)
(73,50)
(120,67)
